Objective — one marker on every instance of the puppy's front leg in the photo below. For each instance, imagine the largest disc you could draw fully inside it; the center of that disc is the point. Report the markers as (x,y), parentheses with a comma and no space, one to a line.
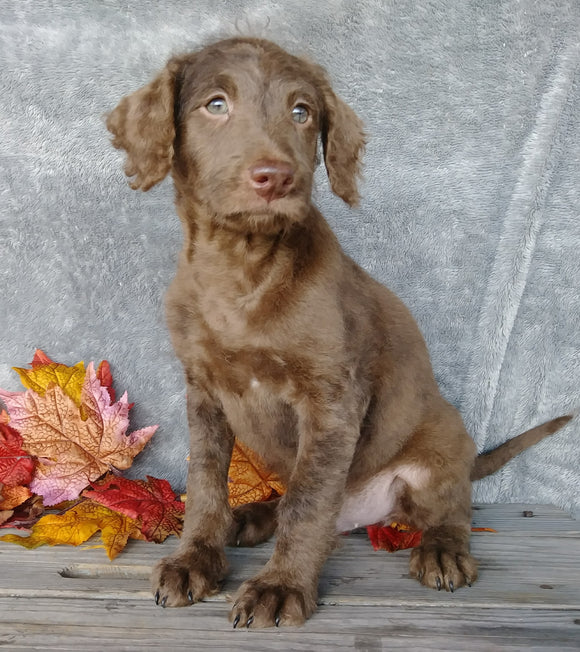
(285,591)
(199,563)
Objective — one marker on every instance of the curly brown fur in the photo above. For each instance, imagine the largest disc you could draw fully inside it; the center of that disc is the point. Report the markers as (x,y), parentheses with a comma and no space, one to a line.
(286,343)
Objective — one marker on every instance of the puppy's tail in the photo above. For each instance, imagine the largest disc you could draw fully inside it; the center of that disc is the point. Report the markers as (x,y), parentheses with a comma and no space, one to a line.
(490,462)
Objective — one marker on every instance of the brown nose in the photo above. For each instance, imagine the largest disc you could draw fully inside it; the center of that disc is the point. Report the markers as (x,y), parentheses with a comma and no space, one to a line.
(271,179)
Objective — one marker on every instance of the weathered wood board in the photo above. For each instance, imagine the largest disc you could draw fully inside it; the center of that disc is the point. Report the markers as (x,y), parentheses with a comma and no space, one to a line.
(527,597)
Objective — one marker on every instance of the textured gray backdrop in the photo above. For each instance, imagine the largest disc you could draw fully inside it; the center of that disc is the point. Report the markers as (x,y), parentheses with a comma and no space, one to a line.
(470,212)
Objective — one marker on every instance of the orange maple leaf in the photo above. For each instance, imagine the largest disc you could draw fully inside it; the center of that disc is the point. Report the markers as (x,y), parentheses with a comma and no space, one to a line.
(78,525)
(75,446)
(249,480)
(11,497)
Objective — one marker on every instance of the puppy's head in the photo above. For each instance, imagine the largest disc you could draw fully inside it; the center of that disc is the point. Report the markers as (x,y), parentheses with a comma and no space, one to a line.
(238,123)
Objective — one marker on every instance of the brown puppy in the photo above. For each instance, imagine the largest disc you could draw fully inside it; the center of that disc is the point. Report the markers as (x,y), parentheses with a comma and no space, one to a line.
(288,344)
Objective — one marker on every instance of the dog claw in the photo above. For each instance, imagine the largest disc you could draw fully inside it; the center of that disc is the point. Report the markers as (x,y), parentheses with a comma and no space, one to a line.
(236,620)
(451,586)
(190,596)
(163,602)
(249,621)
(438,583)
(157,597)
(277,620)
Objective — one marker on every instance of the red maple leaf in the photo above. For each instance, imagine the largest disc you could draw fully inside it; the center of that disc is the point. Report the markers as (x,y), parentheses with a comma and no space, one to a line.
(393,537)
(397,536)
(40,359)
(152,502)
(16,465)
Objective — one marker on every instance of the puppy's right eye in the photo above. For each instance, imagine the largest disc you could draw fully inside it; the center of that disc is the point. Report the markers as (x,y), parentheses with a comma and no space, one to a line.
(218,106)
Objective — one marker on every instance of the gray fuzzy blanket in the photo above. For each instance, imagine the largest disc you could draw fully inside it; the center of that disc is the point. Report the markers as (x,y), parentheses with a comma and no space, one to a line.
(470,211)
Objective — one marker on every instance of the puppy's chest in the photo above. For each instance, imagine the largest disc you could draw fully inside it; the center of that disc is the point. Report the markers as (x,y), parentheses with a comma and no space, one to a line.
(264,421)
(248,373)
(255,390)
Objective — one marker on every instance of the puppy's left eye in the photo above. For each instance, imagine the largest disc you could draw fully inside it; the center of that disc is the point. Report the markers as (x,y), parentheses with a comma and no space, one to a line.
(300,114)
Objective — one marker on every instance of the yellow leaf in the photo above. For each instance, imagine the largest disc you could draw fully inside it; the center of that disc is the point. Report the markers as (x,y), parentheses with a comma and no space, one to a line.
(69,379)
(115,532)
(78,525)
(248,479)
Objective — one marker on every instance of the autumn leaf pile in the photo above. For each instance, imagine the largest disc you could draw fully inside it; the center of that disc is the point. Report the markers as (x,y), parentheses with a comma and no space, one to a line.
(62,444)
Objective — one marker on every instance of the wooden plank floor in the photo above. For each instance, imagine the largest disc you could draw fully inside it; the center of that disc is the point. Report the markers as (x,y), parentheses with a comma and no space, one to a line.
(527,597)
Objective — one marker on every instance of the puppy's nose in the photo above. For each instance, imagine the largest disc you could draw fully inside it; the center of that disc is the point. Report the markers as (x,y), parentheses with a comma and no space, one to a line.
(271,179)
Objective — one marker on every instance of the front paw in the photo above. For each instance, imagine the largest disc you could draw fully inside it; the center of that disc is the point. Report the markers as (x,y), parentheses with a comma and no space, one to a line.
(187,577)
(265,602)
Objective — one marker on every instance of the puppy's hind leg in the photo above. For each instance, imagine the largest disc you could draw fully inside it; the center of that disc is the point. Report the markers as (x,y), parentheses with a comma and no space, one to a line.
(441,507)
(253,523)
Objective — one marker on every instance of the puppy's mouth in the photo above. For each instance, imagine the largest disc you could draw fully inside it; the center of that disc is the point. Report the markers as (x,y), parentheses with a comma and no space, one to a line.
(253,213)
(266,222)
(290,203)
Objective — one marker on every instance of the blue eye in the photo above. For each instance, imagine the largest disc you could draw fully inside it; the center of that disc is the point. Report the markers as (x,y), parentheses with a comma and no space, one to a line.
(300,114)
(218,106)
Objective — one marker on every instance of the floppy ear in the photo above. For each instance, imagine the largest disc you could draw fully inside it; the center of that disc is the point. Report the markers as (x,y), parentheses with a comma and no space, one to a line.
(343,142)
(143,125)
